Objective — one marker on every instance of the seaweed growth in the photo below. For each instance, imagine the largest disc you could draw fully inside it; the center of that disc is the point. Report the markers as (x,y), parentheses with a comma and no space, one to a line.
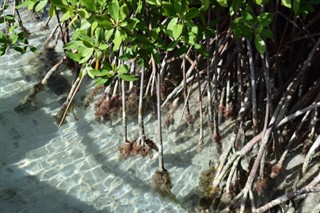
(161,181)
(107,108)
(134,148)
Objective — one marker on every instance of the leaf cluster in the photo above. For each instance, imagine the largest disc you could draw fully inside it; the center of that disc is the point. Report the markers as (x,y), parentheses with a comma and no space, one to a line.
(145,28)
(11,36)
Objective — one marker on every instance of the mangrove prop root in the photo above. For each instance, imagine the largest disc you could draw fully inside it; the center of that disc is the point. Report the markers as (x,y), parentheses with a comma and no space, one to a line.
(31,97)
(286,197)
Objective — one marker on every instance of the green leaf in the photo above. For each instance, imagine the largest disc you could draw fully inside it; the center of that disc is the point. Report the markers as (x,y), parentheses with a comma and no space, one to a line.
(173,29)
(235,5)
(139,7)
(172,46)
(265,19)
(193,13)
(83,13)
(266,33)
(20,49)
(177,30)
(25,4)
(90,5)
(132,23)
(98,73)
(3,38)
(172,23)
(12,30)
(103,47)
(108,34)
(74,56)
(94,25)
(103,81)
(154,2)
(86,55)
(195,29)
(205,5)
(123,69)
(52,10)
(286,3)
(201,50)
(247,16)
(107,66)
(122,73)
(114,9)
(33,48)
(154,35)
(117,40)
(241,30)
(60,3)
(84,24)
(30,7)
(105,23)
(296,6)
(99,34)
(14,38)
(168,9)
(123,12)
(127,77)
(87,41)
(191,38)
(72,45)
(41,5)
(260,44)
(182,50)
(89,72)
(8,18)
(177,5)
(66,16)
(3,49)
(258,2)
(223,3)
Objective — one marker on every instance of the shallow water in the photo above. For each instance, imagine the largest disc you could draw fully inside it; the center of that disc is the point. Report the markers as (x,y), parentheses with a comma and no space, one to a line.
(76,168)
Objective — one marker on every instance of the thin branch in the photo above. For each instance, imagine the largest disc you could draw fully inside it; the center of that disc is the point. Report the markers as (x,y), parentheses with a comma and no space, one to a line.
(253,88)
(75,87)
(140,107)
(200,142)
(154,68)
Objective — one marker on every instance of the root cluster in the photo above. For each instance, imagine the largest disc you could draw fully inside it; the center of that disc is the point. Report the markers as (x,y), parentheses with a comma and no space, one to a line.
(107,108)
(135,148)
(161,181)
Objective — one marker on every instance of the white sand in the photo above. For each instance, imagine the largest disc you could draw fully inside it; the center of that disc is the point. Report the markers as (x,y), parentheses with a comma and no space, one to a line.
(76,168)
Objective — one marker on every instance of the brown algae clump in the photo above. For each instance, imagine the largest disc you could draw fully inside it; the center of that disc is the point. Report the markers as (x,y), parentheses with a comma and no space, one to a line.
(205,182)
(161,181)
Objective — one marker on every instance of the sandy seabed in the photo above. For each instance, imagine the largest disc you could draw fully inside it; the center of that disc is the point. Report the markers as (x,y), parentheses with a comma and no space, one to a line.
(76,168)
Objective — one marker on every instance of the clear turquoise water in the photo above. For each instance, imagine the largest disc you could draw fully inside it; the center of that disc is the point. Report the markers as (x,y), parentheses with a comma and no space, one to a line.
(76,168)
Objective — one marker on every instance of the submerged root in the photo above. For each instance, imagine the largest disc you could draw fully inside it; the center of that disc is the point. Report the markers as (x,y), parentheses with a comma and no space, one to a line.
(139,147)
(145,147)
(125,150)
(106,109)
(161,181)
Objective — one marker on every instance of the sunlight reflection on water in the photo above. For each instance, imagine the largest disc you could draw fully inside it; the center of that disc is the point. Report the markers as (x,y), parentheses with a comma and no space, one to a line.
(80,158)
